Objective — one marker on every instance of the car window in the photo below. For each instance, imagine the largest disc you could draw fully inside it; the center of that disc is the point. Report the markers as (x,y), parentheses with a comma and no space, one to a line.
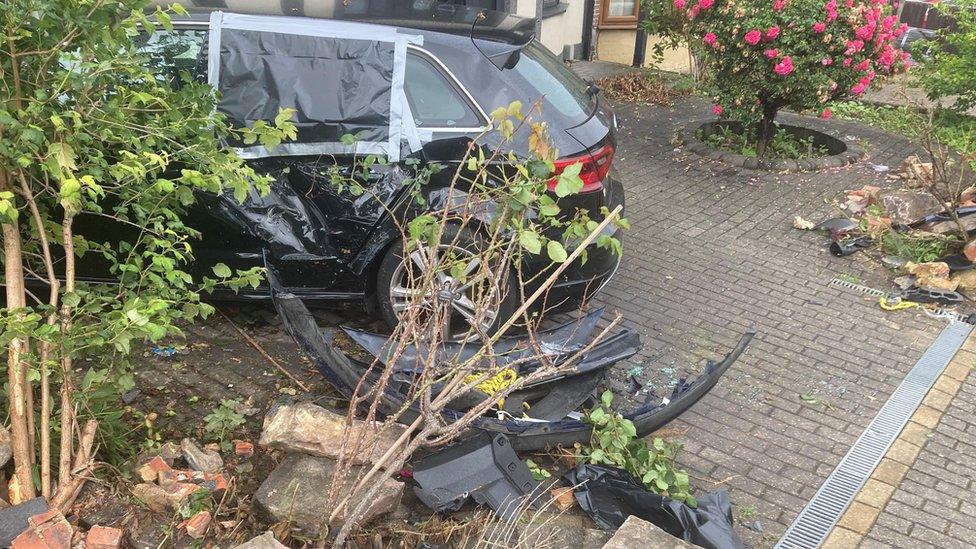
(171,53)
(550,78)
(434,100)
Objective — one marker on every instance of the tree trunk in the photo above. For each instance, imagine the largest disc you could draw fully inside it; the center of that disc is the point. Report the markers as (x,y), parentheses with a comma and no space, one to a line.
(44,347)
(766,129)
(14,283)
(67,406)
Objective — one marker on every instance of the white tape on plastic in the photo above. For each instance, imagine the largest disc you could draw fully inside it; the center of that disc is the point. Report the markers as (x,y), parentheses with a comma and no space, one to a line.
(401,123)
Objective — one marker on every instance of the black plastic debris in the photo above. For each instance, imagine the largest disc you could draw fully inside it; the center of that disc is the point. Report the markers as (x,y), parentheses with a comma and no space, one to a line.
(551,398)
(932,295)
(848,246)
(483,468)
(837,225)
(957,262)
(609,495)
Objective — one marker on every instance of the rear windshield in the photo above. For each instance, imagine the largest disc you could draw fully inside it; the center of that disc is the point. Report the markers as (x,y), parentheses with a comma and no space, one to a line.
(548,77)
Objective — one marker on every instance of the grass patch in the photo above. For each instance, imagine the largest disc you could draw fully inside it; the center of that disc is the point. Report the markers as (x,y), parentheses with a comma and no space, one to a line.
(956,131)
(919,248)
(784,145)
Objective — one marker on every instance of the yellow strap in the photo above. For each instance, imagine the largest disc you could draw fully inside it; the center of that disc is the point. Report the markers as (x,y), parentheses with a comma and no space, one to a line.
(495,383)
(898,305)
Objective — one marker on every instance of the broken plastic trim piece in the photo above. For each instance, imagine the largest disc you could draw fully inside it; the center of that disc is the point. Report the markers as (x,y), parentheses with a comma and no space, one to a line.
(483,467)
(525,434)
(560,341)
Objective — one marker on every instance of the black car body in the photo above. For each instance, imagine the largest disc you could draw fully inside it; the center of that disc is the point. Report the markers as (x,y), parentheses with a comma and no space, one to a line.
(327,243)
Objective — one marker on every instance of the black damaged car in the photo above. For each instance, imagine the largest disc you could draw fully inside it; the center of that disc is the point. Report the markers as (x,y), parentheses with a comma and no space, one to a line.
(416,84)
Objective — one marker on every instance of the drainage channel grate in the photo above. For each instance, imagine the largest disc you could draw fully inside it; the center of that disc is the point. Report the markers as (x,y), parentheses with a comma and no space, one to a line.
(818,518)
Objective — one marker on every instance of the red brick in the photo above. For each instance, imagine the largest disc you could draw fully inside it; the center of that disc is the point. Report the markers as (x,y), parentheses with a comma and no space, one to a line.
(48,530)
(197,525)
(243,448)
(152,469)
(103,537)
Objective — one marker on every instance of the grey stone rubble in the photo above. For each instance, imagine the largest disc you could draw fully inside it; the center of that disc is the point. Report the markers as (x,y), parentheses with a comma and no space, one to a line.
(264,541)
(635,532)
(298,491)
(201,459)
(13,520)
(310,429)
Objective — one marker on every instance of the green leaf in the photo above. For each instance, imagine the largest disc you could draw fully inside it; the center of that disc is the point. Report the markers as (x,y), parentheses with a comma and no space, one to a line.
(530,241)
(63,156)
(607,398)
(71,299)
(569,181)
(221,270)
(556,251)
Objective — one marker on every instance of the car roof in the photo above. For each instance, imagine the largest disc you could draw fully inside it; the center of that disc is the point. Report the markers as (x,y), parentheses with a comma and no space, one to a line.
(422,15)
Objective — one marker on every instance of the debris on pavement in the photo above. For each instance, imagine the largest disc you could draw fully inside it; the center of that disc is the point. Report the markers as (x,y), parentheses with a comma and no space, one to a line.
(638,87)
(933,275)
(848,246)
(311,429)
(802,224)
(550,422)
(858,200)
(298,490)
(637,532)
(908,206)
(914,172)
(483,467)
(201,459)
(610,495)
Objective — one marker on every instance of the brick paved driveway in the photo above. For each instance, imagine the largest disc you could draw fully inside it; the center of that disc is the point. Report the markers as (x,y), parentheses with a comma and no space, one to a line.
(712,253)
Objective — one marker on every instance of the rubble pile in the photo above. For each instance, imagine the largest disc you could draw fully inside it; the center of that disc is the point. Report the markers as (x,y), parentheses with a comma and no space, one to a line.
(923,232)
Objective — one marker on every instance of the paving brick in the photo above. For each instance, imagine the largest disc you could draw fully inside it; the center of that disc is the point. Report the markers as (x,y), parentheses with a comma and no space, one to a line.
(858,518)
(937,399)
(903,452)
(927,416)
(875,493)
(841,538)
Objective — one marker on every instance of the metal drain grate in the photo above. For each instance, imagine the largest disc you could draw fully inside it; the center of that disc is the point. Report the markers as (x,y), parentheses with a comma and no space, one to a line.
(818,518)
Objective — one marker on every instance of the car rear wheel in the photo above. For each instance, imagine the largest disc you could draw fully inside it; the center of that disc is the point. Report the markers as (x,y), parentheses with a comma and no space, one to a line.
(472,304)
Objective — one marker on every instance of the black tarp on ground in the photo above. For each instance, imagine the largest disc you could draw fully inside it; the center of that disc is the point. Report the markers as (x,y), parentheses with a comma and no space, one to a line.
(609,495)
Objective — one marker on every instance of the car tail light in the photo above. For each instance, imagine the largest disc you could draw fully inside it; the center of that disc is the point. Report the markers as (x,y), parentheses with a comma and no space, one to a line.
(596,166)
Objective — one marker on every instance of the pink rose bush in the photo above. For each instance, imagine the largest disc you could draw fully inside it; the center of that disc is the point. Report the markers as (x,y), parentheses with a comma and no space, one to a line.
(799,55)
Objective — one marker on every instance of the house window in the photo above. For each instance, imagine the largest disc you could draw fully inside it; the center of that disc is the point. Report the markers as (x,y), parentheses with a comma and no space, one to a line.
(620,14)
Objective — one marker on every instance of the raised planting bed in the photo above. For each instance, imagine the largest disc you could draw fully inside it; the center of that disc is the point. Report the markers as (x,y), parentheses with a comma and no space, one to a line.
(804,149)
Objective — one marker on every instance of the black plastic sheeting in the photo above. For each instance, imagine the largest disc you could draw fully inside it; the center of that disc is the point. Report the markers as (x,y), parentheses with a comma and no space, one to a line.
(337,86)
(610,495)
